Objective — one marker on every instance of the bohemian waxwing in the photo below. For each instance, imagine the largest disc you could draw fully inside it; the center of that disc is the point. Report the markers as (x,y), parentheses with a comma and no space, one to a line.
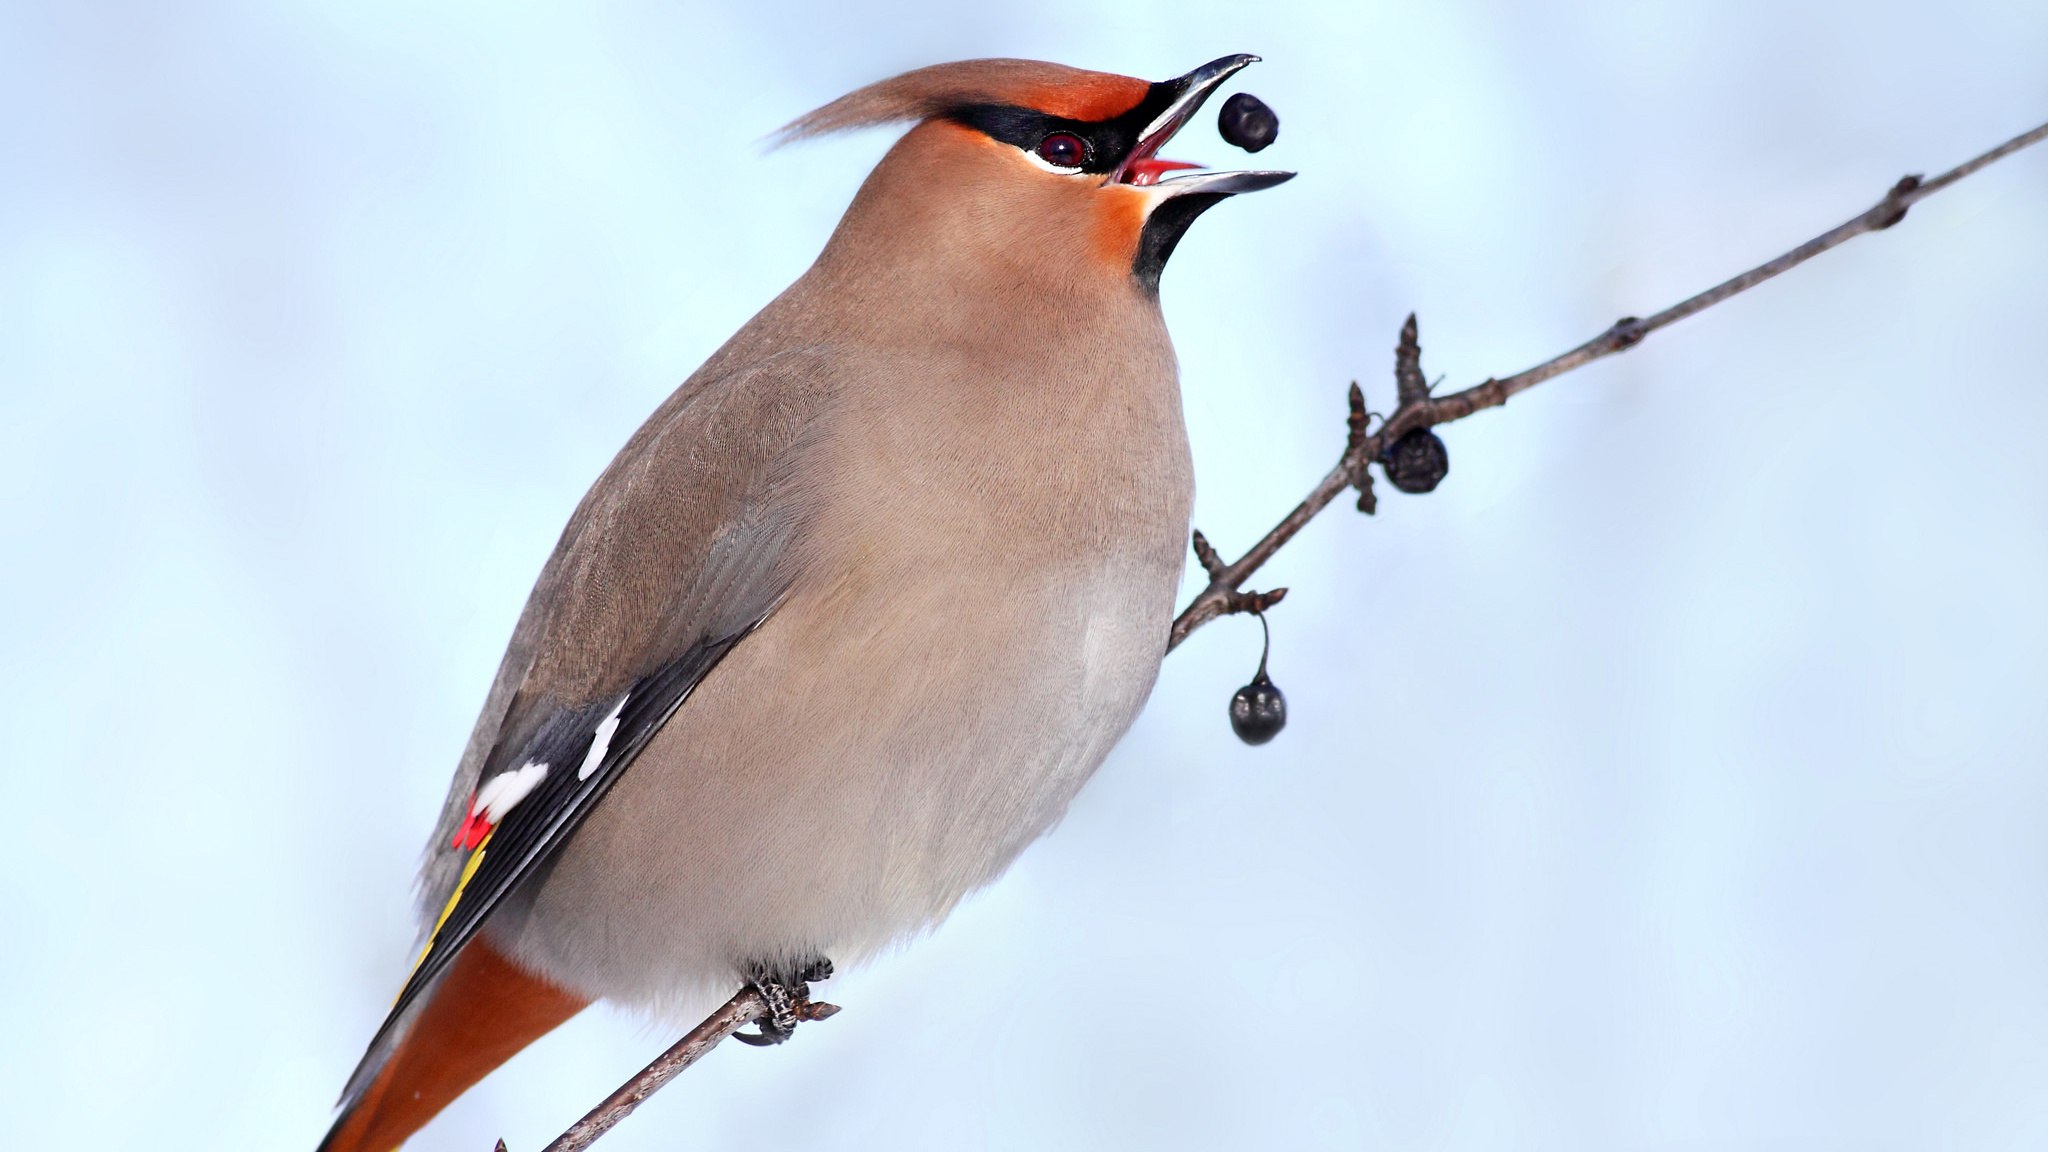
(860,607)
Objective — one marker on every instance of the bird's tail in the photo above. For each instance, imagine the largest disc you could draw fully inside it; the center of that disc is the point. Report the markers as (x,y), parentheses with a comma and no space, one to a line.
(482,1012)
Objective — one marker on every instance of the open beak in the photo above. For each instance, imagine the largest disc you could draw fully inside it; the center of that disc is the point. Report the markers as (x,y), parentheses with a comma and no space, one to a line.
(1144,168)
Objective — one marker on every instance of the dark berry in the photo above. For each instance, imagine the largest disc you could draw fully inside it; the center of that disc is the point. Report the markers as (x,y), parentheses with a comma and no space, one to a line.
(1247,123)
(1258,712)
(1417,462)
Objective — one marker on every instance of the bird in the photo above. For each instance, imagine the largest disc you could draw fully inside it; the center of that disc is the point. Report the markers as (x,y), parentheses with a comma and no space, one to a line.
(848,622)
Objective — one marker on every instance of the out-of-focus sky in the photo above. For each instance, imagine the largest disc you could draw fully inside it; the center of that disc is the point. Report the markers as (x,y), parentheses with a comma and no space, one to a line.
(1676,777)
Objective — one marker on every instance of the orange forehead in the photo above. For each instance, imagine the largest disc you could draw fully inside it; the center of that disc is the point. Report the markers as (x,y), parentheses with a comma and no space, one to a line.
(1082,95)
(1054,89)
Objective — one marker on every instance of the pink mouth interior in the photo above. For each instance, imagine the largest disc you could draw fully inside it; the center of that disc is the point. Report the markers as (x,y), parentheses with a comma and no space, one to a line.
(1149,169)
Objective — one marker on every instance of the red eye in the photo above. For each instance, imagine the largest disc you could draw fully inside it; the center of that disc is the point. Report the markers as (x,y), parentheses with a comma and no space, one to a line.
(1063,150)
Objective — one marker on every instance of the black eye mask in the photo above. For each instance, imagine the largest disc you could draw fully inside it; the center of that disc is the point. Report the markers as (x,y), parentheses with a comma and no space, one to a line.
(1107,142)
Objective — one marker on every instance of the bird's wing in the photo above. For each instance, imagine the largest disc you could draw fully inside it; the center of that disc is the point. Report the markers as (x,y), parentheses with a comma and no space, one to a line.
(673,557)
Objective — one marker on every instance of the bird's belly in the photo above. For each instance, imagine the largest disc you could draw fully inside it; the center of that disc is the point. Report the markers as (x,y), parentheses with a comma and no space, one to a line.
(878,749)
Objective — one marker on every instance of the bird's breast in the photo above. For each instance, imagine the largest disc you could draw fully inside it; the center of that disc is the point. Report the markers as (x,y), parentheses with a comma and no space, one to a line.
(982,585)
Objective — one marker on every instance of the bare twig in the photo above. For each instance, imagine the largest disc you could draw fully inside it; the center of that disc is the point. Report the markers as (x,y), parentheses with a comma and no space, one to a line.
(1419,410)
(746,1006)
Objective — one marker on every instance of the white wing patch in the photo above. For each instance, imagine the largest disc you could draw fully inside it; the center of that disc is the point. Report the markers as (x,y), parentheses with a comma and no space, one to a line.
(602,741)
(502,791)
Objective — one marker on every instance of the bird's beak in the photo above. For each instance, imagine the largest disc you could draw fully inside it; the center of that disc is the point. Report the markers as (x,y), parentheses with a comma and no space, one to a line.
(1144,168)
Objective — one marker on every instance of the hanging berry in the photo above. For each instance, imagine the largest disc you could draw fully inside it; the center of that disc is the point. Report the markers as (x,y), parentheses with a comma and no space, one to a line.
(1258,711)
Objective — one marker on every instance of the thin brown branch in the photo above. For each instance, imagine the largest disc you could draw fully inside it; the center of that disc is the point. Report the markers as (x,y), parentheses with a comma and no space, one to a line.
(1417,409)
(744,1008)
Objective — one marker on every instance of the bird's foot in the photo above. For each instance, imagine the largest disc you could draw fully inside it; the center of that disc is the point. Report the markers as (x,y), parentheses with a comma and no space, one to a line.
(787,993)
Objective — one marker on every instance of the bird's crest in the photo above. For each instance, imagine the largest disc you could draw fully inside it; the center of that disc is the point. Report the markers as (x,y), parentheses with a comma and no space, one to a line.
(943,89)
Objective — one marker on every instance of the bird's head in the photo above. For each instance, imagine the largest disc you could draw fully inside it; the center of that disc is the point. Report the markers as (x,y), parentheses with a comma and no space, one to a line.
(1032,169)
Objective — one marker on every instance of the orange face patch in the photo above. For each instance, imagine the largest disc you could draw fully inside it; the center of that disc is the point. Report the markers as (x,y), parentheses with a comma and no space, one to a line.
(1119,221)
(1111,216)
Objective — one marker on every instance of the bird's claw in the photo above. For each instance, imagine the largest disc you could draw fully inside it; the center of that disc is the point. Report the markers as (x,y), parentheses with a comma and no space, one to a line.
(787,997)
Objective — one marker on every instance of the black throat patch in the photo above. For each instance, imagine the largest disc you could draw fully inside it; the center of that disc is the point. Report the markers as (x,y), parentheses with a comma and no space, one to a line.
(1163,230)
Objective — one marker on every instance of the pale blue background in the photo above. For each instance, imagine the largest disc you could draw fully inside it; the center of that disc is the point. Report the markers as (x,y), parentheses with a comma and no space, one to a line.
(1673,779)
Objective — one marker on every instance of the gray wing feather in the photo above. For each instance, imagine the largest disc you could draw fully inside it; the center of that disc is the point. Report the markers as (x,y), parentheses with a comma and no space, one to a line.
(684,535)
(682,541)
